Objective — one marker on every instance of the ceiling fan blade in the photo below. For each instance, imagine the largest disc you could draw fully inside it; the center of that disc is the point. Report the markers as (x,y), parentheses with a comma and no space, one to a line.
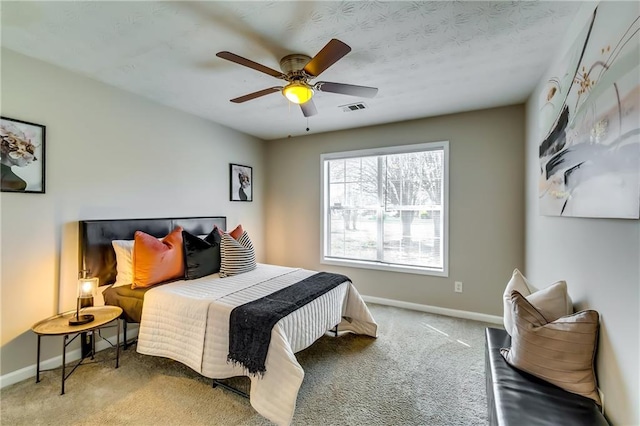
(250,64)
(308,108)
(329,55)
(256,94)
(346,89)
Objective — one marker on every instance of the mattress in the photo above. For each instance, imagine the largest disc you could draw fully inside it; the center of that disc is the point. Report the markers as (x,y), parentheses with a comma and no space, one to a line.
(188,321)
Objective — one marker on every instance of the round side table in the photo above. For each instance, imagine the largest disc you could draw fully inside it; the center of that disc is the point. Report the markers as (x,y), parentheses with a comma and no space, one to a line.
(58,325)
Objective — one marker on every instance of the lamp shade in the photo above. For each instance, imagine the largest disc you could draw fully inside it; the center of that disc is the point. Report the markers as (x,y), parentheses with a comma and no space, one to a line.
(87,287)
(297,92)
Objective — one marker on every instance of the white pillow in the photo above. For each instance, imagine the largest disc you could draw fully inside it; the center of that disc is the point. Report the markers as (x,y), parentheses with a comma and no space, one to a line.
(553,302)
(124,262)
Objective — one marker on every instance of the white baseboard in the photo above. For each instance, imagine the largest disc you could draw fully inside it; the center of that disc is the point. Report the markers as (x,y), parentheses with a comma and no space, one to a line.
(476,316)
(55,362)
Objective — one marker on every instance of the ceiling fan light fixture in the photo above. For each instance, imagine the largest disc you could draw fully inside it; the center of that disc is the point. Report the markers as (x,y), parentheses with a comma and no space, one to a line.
(297,92)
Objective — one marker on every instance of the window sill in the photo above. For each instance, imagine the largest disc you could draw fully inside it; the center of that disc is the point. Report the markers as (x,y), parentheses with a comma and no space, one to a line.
(384,267)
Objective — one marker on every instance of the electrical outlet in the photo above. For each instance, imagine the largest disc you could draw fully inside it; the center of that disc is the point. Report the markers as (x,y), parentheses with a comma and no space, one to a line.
(458,287)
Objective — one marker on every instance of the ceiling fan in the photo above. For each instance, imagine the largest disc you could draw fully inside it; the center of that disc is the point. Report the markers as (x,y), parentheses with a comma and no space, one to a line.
(298,70)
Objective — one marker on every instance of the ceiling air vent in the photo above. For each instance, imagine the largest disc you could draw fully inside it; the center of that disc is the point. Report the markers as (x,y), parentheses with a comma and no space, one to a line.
(353,107)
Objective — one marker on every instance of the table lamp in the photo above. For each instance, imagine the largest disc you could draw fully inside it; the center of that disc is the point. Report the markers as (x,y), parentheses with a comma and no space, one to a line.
(87,288)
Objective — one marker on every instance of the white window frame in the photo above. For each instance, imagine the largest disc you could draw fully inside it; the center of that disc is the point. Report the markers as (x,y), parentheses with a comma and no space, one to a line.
(400,149)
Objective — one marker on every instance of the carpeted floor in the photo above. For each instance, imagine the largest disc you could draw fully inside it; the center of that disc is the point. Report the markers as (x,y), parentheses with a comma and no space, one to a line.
(422,370)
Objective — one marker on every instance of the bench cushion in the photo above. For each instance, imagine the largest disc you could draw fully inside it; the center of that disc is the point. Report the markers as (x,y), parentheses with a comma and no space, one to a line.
(517,398)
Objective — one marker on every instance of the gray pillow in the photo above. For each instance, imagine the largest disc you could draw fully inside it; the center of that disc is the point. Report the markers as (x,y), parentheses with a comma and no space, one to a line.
(561,352)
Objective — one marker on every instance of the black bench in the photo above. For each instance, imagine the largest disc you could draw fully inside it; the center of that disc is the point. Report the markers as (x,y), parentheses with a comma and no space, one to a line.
(517,398)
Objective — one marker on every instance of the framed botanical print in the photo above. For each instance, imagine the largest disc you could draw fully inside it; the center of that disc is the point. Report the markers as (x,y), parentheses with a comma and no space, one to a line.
(22,163)
(240,183)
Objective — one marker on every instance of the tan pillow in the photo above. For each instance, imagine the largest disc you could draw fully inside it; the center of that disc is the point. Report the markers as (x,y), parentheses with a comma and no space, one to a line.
(553,302)
(562,352)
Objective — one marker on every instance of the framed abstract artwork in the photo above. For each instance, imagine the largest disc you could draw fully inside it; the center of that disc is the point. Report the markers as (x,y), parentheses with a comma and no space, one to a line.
(22,163)
(590,121)
(240,183)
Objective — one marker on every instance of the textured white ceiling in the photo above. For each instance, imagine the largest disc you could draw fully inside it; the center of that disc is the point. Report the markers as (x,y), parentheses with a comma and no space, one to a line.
(426,58)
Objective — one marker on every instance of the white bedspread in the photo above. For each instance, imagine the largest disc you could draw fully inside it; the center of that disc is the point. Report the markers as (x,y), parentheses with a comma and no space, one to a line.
(188,321)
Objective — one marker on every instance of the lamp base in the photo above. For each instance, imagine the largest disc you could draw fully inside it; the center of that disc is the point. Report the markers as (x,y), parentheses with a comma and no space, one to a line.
(81,319)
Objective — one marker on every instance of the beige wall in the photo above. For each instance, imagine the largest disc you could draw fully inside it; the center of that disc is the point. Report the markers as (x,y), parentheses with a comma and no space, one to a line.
(486,205)
(600,260)
(109,154)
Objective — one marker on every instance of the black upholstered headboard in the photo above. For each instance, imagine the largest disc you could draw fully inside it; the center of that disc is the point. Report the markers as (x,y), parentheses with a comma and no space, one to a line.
(96,252)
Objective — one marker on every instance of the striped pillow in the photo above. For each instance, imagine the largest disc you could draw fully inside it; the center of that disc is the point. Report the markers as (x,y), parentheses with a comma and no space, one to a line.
(561,352)
(238,256)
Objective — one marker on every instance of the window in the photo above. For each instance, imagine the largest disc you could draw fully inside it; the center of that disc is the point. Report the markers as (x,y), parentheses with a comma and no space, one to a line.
(386,208)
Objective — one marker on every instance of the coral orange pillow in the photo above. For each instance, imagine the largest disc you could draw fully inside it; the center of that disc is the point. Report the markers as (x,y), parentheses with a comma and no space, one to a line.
(235,233)
(156,261)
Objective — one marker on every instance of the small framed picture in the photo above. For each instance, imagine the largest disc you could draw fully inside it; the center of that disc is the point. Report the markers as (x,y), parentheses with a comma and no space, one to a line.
(21,156)
(241,183)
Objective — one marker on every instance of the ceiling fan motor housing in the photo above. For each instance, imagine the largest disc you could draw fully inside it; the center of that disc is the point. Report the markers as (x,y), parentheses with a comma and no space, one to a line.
(293,63)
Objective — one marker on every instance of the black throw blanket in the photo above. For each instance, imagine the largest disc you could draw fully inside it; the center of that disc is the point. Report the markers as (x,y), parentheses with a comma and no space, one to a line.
(250,324)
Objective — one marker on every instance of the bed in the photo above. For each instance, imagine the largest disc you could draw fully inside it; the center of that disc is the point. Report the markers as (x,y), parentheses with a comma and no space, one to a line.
(188,321)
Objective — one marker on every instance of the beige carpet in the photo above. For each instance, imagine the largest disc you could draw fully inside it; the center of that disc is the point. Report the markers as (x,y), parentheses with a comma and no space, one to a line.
(422,370)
